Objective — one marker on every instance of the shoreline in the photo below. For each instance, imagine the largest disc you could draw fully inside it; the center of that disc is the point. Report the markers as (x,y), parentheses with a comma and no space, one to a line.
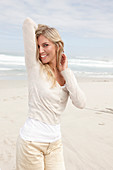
(94,79)
(79,79)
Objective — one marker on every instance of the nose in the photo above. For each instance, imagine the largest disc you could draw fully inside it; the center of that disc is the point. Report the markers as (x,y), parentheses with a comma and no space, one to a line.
(41,50)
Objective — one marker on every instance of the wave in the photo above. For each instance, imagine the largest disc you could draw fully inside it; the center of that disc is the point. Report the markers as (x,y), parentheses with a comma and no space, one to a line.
(6,69)
(91,63)
(83,66)
(12,60)
(19,60)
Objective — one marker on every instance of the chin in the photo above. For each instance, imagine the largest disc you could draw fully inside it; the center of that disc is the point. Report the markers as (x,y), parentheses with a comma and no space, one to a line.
(44,62)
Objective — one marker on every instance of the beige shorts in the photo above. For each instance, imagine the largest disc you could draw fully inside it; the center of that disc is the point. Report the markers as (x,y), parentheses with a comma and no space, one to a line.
(39,156)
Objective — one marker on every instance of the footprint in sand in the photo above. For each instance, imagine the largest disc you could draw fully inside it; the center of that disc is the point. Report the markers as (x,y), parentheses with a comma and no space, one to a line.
(5,99)
(101,123)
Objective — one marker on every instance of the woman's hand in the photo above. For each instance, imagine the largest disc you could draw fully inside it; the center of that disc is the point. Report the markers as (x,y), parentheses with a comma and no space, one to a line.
(64,63)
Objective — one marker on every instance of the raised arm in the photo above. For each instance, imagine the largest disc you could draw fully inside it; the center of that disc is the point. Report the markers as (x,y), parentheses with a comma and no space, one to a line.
(76,94)
(29,28)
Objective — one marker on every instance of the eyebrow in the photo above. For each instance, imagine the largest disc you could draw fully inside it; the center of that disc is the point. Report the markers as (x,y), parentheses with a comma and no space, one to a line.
(44,43)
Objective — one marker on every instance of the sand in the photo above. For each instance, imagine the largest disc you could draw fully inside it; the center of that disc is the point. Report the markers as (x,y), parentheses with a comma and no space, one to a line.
(87,134)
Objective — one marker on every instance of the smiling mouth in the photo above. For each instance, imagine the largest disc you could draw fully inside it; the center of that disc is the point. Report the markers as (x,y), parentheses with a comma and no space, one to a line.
(43,56)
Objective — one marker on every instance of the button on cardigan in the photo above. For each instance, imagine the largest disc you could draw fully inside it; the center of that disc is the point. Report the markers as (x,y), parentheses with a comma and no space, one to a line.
(46,104)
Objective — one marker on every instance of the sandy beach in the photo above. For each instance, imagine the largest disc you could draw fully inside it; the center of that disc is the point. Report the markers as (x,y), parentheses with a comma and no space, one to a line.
(87,134)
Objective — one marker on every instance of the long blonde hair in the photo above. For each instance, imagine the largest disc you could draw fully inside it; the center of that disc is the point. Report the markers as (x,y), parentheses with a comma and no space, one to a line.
(52,35)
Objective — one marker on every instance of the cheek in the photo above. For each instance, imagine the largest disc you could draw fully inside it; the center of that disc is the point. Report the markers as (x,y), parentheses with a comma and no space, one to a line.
(54,51)
(51,50)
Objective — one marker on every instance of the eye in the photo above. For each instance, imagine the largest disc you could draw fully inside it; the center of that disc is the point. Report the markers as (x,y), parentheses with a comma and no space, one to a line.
(45,45)
(38,46)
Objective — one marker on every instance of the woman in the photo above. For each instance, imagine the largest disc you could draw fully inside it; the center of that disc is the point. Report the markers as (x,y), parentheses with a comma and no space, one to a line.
(50,83)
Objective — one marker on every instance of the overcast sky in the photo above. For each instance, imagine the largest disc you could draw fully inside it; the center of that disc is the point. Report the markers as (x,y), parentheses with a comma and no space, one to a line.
(86,26)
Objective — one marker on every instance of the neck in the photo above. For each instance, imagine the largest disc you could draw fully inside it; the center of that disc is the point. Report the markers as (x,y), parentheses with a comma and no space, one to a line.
(53,65)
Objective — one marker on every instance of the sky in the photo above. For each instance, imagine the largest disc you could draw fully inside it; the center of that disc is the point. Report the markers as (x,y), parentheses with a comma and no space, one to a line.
(86,26)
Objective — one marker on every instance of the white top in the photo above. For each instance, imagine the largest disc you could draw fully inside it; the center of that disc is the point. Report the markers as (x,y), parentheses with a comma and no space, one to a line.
(36,131)
(46,104)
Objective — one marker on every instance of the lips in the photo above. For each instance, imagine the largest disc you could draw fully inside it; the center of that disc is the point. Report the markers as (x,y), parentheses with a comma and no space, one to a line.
(43,57)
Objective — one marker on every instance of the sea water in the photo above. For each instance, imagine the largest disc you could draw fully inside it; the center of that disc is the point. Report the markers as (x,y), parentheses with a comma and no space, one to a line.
(13,67)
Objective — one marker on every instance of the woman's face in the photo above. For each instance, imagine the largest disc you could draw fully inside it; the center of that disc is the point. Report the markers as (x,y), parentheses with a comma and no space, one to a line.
(47,50)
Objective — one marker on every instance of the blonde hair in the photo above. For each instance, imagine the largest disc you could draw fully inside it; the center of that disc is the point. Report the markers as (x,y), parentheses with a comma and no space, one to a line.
(52,35)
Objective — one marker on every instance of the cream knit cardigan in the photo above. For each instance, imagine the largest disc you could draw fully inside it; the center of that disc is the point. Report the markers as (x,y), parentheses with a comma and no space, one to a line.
(46,104)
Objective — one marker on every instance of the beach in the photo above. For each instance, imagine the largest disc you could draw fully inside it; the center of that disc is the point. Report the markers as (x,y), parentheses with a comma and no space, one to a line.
(87,134)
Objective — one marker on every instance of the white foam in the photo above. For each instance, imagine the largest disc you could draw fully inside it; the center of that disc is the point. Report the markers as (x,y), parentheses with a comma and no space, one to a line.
(91,63)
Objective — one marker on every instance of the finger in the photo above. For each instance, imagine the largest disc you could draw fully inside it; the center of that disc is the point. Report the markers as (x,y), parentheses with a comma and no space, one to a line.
(63,59)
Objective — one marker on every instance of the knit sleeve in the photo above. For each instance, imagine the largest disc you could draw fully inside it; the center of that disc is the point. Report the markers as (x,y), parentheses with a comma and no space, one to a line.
(29,28)
(76,94)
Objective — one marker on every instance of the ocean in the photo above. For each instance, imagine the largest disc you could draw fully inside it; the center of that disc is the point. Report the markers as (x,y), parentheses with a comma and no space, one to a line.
(13,67)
